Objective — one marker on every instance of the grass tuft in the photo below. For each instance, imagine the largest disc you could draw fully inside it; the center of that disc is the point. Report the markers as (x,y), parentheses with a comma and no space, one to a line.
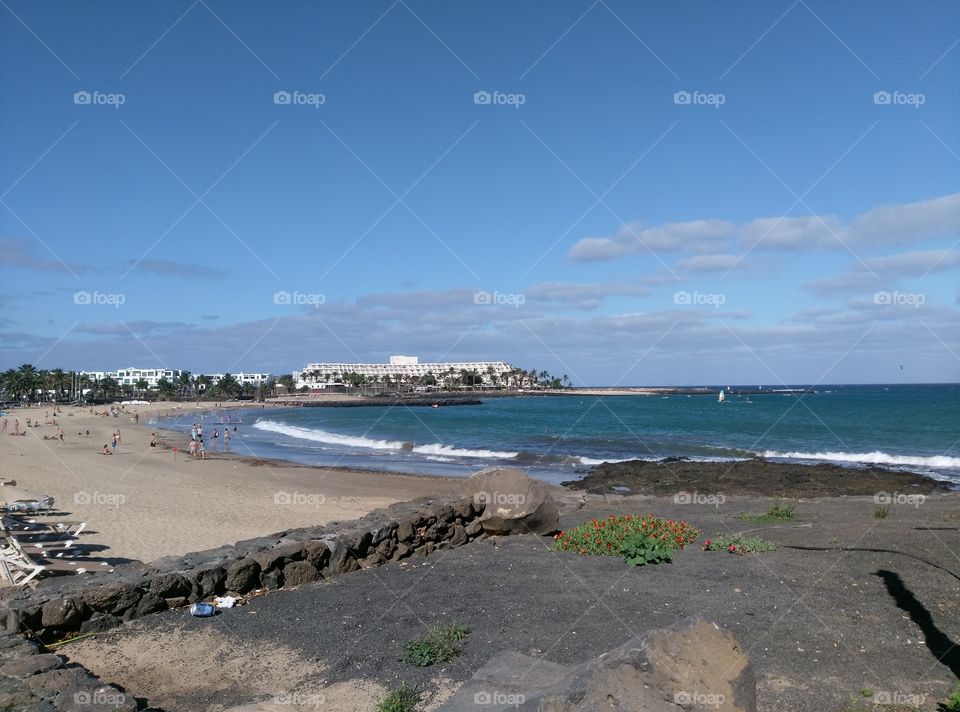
(881,512)
(737,544)
(401,699)
(439,645)
(779,512)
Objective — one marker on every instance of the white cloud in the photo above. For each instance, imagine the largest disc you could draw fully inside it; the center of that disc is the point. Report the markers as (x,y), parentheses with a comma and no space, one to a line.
(904,224)
(693,236)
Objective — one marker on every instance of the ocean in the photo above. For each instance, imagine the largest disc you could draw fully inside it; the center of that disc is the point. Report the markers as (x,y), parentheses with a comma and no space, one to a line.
(556,438)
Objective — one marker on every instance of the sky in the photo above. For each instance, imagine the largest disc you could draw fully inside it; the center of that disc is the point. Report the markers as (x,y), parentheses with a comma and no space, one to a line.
(627,193)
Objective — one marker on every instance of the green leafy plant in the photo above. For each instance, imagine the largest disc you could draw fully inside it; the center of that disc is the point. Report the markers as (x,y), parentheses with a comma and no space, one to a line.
(737,544)
(401,699)
(607,537)
(640,550)
(439,645)
(881,512)
(778,512)
(953,701)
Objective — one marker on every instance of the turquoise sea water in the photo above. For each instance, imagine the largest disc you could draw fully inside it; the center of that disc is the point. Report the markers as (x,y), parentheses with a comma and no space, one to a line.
(916,428)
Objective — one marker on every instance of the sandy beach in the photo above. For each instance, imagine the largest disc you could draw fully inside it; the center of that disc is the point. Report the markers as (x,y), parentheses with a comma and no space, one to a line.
(143,505)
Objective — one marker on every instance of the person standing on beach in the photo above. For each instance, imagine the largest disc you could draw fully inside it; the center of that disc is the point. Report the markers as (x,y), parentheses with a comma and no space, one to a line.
(202,450)
(192,449)
(4,426)
(153,442)
(118,437)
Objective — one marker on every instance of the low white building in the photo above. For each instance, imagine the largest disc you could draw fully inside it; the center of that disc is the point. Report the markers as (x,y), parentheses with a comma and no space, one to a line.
(253,379)
(401,369)
(130,376)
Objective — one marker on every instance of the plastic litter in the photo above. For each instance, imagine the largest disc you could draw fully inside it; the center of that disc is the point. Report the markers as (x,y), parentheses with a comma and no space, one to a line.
(224,601)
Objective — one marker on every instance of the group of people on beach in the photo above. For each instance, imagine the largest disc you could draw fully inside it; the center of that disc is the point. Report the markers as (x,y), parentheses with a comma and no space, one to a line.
(114,444)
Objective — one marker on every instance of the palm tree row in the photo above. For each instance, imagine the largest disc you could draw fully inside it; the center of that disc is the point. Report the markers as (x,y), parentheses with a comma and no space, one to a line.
(28,383)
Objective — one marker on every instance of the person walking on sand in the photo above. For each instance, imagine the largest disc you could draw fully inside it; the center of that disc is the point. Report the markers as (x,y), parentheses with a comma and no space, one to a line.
(153,442)
(118,437)
(16,426)
(60,433)
(202,450)
(4,426)
(192,449)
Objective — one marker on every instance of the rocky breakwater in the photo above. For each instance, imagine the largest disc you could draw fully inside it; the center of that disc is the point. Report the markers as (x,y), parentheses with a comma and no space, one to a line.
(57,607)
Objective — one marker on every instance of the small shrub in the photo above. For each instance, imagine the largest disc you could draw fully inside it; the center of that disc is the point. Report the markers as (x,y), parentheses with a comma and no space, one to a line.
(778,512)
(739,545)
(439,645)
(607,537)
(401,699)
(953,701)
(640,550)
(881,512)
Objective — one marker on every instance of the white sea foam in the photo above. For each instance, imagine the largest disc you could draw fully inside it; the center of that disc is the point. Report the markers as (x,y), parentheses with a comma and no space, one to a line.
(450,451)
(871,458)
(593,461)
(323,436)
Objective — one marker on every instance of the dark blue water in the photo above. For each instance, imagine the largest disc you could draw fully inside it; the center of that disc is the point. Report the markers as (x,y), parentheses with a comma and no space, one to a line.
(915,428)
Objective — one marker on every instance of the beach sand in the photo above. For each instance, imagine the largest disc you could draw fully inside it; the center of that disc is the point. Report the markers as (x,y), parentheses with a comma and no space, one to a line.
(143,505)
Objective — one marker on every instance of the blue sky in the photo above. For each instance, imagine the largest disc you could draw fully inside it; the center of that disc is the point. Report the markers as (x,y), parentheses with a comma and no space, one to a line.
(656,193)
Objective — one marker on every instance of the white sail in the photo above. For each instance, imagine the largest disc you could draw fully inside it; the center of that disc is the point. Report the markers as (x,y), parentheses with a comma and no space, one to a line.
(720,397)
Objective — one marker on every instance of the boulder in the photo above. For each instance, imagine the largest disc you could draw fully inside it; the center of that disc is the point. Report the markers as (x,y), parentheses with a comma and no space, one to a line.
(693,666)
(299,572)
(112,598)
(512,502)
(243,575)
(170,585)
(64,614)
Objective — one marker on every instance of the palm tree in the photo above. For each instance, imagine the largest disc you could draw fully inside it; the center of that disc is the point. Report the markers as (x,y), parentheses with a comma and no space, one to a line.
(165,389)
(286,380)
(58,379)
(203,383)
(185,383)
(142,385)
(28,380)
(228,385)
(110,387)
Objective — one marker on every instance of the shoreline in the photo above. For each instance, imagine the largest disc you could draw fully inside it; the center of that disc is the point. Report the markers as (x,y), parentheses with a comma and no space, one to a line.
(142,505)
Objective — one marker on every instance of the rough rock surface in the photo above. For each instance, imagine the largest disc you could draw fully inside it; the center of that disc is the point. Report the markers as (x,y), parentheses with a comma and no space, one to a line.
(513,502)
(694,666)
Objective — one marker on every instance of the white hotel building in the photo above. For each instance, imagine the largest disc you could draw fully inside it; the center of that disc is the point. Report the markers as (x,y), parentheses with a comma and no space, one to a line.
(400,368)
(130,376)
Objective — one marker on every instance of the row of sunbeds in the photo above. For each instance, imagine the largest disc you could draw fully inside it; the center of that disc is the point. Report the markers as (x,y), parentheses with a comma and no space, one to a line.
(31,547)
